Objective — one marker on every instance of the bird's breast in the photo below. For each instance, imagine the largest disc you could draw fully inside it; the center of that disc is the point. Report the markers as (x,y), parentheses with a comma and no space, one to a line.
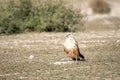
(69,44)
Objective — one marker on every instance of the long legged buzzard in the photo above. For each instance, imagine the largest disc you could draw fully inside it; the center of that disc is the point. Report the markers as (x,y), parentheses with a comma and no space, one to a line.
(72,49)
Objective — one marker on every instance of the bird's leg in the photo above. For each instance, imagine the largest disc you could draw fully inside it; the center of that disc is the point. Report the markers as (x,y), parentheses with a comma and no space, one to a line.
(76,59)
(68,59)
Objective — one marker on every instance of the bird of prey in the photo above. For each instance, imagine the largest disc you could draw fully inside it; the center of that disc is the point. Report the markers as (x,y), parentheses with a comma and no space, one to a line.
(72,49)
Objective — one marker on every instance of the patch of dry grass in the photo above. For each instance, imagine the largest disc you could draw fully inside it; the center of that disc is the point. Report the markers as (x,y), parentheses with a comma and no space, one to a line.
(101,50)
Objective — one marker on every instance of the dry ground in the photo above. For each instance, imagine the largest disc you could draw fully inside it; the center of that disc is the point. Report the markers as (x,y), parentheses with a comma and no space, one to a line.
(32,56)
(101,50)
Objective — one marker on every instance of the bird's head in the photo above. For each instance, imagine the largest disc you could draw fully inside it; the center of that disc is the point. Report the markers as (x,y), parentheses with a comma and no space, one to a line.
(69,35)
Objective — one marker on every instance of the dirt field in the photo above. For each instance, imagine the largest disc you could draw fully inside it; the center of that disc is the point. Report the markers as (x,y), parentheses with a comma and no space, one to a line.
(40,56)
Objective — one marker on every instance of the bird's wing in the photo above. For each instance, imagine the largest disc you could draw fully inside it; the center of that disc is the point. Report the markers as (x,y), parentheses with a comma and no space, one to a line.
(78,49)
(75,50)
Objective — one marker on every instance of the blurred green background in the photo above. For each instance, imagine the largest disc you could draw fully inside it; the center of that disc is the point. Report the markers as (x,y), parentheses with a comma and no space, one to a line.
(21,16)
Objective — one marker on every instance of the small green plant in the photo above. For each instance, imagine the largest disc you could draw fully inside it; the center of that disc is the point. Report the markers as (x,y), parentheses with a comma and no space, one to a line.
(18,18)
(51,16)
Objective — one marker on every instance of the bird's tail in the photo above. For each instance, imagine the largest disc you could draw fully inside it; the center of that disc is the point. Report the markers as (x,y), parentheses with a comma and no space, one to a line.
(81,55)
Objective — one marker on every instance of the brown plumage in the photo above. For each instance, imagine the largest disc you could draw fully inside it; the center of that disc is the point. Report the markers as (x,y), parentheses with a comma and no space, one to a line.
(72,49)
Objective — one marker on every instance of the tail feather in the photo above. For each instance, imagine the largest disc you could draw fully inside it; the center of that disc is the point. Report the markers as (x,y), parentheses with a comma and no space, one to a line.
(80,55)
